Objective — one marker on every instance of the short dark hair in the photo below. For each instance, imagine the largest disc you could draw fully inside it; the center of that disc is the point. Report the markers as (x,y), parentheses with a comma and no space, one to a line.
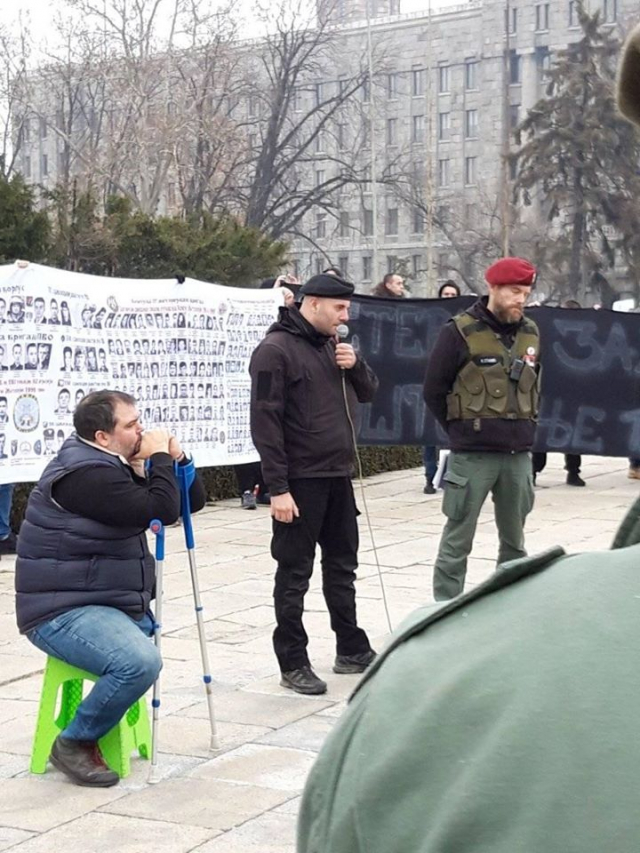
(571,303)
(96,412)
(3,400)
(448,283)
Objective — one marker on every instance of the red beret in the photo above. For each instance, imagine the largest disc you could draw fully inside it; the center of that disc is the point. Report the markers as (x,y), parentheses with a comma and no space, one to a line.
(512,271)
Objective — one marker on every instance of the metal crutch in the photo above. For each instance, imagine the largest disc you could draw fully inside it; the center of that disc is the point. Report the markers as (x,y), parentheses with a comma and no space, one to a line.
(186,475)
(157,528)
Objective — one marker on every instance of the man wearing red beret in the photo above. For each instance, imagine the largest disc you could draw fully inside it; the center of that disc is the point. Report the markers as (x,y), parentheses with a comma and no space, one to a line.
(482,384)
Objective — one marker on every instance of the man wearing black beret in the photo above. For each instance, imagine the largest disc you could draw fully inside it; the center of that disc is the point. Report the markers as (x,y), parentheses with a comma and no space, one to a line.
(482,384)
(303,380)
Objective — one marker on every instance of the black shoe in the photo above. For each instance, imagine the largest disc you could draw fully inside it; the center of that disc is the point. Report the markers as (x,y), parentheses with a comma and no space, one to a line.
(348,664)
(82,762)
(8,545)
(575,480)
(303,680)
(248,500)
(429,488)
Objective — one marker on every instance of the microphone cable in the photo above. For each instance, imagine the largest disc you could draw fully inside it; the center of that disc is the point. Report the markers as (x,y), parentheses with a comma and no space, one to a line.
(343,331)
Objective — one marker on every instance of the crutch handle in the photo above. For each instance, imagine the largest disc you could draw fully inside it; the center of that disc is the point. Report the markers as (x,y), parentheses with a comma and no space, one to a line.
(186,474)
(157,528)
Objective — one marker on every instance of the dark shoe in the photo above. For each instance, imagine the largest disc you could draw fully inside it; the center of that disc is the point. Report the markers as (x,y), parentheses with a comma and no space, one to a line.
(82,762)
(575,480)
(429,488)
(349,664)
(263,498)
(8,545)
(248,500)
(303,680)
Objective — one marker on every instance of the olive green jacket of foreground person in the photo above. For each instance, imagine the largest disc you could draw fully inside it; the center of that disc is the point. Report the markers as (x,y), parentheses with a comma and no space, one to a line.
(504,721)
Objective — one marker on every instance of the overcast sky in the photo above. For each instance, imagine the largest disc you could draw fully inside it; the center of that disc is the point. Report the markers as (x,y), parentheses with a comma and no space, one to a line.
(42,14)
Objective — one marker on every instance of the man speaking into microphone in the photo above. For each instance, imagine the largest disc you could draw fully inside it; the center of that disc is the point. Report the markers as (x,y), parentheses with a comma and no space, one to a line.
(303,380)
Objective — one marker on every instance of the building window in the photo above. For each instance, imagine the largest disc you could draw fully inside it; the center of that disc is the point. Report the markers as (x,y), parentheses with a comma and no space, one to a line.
(252,108)
(319,264)
(366,131)
(343,264)
(392,86)
(171,193)
(443,79)
(43,128)
(417,82)
(392,263)
(341,136)
(392,131)
(444,126)
(319,177)
(321,225)
(470,170)
(417,129)
(367,267)
(296,99)
(26,130)
(366,179)
(471,124)
(342,86)
(45,165)
(471,215)
(573,13)
(542,16)
(513,169)
(416,265)
(515,68)
(443,264)
(320,143)
(367,222)
(391,224)
(610,11)
(317,94)
(514,116)
(444,172)
(418,221)
(27,166)
(543,64)
(366,90)
(471,74)
(344,223)
(512,20)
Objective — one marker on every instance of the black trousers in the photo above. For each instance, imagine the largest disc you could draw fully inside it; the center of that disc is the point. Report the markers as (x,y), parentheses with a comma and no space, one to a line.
(248,476)
(328,517)
(572,462)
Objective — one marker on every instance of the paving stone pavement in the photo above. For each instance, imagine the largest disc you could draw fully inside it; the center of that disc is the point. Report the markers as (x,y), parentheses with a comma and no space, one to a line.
(244,798)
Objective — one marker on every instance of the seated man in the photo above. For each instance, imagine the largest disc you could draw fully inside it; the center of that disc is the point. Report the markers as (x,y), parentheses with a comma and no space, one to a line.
(84,574)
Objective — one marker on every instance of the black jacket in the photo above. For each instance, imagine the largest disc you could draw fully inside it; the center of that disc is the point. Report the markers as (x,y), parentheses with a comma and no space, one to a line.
(299,423)
(447,358)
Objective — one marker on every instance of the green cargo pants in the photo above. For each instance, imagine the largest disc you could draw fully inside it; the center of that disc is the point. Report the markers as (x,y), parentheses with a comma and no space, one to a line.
(468,480)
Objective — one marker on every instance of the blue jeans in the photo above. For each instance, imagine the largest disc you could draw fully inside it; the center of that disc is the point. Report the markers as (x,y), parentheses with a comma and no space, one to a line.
(108,643)
(430,459)
(6,494)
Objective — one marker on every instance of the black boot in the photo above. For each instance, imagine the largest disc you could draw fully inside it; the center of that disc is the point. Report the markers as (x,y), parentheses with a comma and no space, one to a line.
(82,762)
(574,479)
(349,664)
(429,488)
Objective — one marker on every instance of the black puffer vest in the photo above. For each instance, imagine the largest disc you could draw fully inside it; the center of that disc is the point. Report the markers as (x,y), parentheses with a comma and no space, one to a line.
(66,561)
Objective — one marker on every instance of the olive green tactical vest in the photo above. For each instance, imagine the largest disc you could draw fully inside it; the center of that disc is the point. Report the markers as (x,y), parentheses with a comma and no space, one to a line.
(484,388)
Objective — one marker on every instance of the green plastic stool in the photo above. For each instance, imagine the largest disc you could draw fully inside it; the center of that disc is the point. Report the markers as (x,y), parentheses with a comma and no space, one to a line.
(132,732)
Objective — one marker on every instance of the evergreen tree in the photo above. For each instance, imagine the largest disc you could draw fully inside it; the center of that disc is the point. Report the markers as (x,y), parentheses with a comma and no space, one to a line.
(580,161)
(24,231)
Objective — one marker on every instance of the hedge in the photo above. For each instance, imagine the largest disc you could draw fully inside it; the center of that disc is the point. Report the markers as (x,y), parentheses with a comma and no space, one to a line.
(220,483)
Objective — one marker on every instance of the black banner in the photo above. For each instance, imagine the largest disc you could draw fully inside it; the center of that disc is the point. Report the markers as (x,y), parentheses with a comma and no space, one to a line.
(590,374)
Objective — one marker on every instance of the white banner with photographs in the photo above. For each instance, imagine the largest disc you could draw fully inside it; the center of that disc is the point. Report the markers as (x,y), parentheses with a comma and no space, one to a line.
(182,350)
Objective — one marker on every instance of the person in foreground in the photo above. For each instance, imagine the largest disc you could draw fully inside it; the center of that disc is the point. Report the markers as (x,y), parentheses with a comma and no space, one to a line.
(84,575)
(482,384)
(301,382)
(505,720)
